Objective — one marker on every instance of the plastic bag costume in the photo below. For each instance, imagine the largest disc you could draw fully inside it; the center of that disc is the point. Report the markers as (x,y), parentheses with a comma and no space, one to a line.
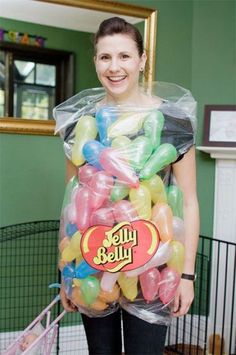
(122,228)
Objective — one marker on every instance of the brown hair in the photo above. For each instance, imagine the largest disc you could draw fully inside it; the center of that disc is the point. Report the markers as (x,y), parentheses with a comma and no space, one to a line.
(116,25)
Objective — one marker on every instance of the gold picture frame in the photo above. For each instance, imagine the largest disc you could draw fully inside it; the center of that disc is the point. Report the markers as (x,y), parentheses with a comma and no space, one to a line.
(42,127)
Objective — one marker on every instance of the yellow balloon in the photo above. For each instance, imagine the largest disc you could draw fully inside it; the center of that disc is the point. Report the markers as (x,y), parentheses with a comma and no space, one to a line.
(75,241)
(129,286)
(85,130)
(176,261)
(120,142)
(141,200)
(156,188)
(127,124)
(68,254)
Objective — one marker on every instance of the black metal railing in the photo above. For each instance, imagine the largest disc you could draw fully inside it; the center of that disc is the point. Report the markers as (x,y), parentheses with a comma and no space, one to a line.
(28,259)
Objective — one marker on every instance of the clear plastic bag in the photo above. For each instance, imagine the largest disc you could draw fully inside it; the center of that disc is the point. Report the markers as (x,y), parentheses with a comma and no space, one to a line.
(122,228)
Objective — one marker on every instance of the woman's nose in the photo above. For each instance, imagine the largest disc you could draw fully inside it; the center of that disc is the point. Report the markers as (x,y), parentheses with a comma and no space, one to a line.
(114,65)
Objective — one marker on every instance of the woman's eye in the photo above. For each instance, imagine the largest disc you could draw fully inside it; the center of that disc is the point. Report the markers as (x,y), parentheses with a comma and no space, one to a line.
(104,57)
(125,56)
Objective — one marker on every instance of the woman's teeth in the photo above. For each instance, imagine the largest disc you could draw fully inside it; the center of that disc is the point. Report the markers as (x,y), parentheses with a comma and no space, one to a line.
(116,78)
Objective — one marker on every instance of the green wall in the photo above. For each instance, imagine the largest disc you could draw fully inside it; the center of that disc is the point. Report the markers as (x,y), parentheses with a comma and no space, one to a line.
(32,167)
(195,48)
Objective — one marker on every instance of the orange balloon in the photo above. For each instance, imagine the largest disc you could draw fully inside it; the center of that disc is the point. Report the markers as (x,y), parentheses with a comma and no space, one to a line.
(77,297)
(98,305)
(61,264)
(162,216)
(63,244)
(111,296)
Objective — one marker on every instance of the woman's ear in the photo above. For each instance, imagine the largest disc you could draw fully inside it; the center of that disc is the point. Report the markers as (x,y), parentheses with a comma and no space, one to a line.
(143,61)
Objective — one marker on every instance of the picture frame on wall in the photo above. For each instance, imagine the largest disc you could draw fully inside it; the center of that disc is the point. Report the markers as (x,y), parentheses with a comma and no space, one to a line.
(220,126)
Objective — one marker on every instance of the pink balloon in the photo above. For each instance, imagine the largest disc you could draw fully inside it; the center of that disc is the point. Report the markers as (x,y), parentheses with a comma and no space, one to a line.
(124,211)
(71,213)
(112,162)
(168,285)
(100,185)
(86,173)
(108,280)
(149,282)
(83,207)
(102,216)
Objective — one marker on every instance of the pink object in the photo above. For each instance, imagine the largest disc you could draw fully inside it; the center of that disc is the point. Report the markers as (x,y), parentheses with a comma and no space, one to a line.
(83,208)
(100,185)
(102,216)
(168,285)
(112,162)
(124,211)
(47,342)
(149,282)
(86,173)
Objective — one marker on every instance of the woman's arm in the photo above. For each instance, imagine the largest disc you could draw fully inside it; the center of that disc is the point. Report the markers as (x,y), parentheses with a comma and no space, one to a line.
(185,174)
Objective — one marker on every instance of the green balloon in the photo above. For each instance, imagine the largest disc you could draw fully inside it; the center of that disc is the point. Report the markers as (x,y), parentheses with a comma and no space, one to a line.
(72,183)
(153,126)
(139,151)
(119,191)
(175,200)
(164,155)
(90,289)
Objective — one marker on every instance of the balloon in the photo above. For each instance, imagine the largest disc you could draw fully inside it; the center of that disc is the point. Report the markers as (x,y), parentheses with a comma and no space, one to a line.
(141,200)
(83,206)
(86,172)
(72,250)
(149,282)
(127,124)
(63,243)
(168,285)
(71,228)
(105,117)
(98,305)
(90,289)
(164,155)
(100,185)
(109,296)
(85,130)
(69,188)
(119,191)
(129,286)
(175,200)
(153,126)
(91,151)
(138,152)
(178,229)
(71,213)
(68,271)
(176,262)
(84,269)
(121,142)
(124,211)
(114,164)
(108,281)
(102,216)
(161,256)
(77,297)
(162,217)
(156,188)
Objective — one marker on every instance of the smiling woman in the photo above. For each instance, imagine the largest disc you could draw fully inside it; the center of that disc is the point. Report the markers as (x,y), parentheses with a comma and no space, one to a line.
(8,124)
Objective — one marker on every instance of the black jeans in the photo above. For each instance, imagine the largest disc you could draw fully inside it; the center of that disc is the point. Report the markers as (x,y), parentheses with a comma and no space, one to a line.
(140,338)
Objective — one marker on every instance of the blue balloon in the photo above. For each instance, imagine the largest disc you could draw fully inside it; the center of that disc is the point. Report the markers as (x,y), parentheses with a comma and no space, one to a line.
(91,151)
(68,271)
(84,269)
(104,118)
(71,229)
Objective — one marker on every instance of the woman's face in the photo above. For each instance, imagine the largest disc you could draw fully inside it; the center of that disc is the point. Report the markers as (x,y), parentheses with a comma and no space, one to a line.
(118,65)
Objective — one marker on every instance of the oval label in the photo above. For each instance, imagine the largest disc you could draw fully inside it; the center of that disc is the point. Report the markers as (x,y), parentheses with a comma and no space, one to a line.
(124,247)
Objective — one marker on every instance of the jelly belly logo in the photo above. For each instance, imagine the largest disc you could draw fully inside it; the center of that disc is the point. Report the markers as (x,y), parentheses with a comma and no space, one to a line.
(126,246)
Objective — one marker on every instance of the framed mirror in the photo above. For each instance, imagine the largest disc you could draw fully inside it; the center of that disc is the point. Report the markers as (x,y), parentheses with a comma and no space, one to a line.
(88,13)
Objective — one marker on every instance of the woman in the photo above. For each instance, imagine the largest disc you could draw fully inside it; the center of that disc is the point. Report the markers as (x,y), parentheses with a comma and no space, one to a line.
(119,59)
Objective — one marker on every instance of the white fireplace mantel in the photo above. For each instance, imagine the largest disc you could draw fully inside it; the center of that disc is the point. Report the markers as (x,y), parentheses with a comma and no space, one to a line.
(224,228)
(219,152)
